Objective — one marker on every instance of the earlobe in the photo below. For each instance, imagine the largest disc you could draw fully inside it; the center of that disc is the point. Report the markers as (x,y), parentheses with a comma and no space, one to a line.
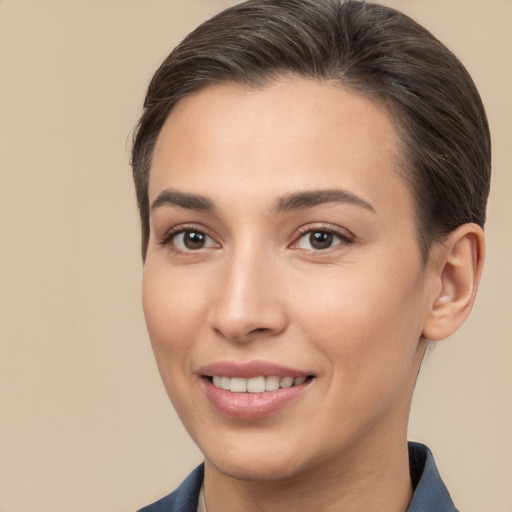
(456,268)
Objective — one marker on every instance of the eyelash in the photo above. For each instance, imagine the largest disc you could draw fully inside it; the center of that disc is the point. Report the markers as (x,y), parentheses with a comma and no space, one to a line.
(172,233)
(343,238)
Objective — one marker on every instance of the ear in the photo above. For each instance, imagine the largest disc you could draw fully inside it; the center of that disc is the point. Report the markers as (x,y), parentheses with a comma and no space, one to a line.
(456,265)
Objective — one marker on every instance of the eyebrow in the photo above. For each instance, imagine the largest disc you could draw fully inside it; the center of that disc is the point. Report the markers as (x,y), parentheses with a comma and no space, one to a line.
(190,201)
(289,202)
(308,199)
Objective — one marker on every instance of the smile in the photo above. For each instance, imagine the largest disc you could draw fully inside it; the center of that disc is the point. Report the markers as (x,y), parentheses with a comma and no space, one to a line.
(258,384)
(253,390)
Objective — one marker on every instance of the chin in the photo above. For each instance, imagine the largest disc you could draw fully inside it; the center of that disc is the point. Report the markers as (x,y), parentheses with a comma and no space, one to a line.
(263,457)
(255,468)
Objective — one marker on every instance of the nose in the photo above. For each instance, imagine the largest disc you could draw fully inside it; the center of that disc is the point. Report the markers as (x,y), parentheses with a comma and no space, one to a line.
(248,305)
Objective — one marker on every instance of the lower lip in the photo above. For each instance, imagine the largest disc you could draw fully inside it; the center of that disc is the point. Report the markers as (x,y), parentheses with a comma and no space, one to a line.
(251,406)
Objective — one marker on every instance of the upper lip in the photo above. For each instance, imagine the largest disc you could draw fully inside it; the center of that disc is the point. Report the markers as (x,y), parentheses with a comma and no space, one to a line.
(250,369)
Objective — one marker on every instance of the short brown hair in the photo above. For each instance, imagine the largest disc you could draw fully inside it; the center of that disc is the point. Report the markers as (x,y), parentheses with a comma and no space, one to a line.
(366,48)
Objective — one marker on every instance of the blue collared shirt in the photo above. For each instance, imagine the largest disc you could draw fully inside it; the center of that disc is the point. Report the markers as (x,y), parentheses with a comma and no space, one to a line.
(430,494)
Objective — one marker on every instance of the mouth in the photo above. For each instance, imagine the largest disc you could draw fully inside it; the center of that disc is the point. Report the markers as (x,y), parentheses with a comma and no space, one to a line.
(258,384)
(253,390)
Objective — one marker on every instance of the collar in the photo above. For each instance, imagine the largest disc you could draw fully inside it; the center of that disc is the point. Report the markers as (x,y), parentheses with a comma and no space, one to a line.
(430,493)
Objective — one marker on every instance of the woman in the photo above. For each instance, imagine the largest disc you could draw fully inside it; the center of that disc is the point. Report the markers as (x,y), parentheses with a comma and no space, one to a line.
(312,180)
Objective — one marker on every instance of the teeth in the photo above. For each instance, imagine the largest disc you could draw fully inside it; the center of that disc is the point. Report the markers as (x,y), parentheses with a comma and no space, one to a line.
(286,382)
(238,385)
(271,383)
(256,384)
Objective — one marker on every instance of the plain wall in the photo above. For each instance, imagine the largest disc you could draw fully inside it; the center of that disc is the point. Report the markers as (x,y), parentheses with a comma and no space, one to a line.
(85,424)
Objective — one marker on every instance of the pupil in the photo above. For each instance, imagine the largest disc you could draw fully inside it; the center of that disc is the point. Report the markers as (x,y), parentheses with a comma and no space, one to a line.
(193,240)
(320,240)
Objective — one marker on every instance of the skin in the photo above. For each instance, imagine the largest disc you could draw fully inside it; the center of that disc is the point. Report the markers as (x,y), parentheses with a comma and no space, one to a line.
(353,314)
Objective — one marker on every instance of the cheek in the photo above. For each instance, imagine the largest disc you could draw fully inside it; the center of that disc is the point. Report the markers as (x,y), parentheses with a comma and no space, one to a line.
(367,324)
(171,309)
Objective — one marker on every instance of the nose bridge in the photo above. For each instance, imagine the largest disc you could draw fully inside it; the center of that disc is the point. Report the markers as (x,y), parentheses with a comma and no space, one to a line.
(248,303)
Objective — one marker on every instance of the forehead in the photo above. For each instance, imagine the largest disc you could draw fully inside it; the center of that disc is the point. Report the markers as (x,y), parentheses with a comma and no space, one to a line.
(292,134)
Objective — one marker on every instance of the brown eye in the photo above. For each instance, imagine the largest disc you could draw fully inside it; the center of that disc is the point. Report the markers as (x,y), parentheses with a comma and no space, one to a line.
(192,241)
(320,240)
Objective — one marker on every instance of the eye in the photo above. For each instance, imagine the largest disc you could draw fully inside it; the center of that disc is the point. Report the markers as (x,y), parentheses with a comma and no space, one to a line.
(191,240)
(320,239)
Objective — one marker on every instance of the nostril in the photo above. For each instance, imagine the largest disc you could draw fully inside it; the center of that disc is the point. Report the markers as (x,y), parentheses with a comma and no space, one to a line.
(242,326)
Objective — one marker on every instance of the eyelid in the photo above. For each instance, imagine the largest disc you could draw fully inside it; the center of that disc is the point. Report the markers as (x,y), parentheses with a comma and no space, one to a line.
(169,235)
(344,235)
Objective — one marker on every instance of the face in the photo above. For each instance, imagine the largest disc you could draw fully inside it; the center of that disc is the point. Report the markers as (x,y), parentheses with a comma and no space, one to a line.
(284,289)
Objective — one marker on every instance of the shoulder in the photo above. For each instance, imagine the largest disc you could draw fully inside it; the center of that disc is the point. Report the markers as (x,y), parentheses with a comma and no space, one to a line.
(430,493)
(184,498)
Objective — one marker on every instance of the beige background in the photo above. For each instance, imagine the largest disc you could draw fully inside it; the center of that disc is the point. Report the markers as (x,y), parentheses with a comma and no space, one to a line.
(84,422)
